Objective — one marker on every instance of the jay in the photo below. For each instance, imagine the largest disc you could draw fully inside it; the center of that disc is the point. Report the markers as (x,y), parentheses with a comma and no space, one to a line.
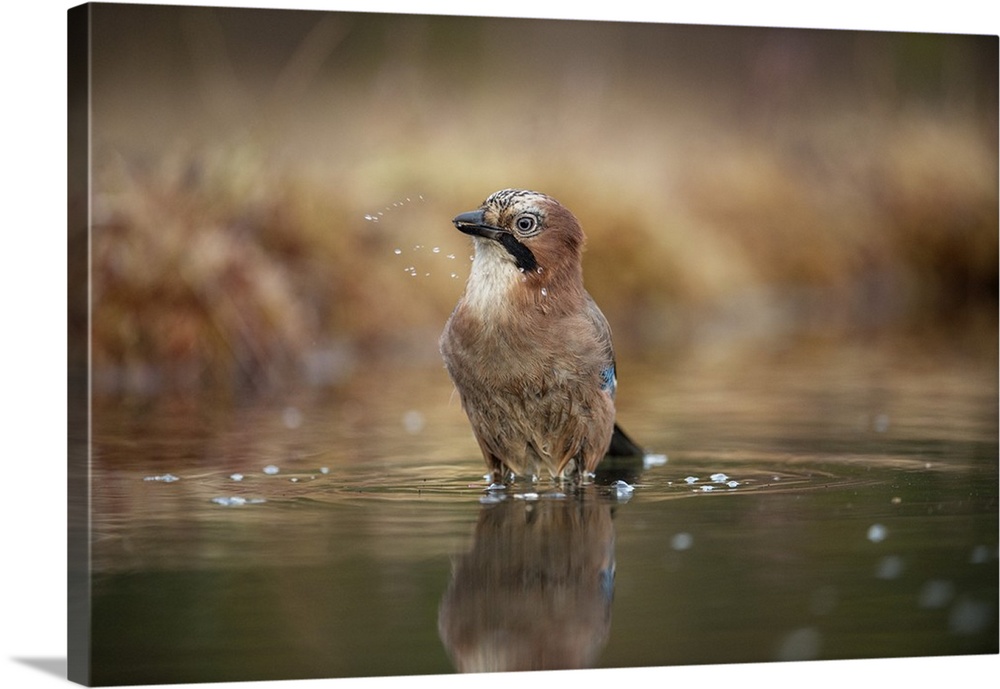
(527,348)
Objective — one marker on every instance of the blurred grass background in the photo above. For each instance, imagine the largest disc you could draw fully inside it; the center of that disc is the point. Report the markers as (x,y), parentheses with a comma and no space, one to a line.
(273,189)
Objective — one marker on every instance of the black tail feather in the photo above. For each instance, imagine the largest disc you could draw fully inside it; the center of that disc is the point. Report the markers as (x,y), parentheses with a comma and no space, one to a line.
(623,446)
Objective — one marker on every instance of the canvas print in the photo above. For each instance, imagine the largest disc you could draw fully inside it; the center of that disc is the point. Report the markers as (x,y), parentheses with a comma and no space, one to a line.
(405,344)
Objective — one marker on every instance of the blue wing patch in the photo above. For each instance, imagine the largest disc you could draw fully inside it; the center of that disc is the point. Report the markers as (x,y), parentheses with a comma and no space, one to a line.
(609,382)
(607,581)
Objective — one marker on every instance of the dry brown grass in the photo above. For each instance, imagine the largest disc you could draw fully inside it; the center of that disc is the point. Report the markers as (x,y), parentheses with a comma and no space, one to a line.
(231,254)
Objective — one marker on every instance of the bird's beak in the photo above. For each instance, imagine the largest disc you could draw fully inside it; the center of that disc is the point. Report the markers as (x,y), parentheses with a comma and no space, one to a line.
(474,224)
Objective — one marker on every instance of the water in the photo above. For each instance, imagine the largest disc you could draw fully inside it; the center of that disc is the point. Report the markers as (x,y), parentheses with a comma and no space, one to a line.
(844,506)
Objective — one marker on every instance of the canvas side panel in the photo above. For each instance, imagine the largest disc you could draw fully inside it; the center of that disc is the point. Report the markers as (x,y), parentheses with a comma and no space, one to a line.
(78,345)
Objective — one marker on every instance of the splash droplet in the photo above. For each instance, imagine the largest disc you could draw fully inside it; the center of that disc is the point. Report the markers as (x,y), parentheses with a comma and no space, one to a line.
(681,541)
(166,478)
(622,489)
(877,533)
(649,461)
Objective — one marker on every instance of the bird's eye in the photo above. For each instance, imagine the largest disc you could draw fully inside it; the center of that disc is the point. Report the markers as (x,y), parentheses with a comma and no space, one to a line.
(526,224)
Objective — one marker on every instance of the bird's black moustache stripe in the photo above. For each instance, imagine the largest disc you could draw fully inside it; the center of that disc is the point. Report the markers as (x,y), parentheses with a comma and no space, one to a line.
(523,257)
(472,223)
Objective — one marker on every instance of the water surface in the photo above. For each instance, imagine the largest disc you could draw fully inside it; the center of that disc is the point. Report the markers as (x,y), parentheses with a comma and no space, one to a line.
(811,503)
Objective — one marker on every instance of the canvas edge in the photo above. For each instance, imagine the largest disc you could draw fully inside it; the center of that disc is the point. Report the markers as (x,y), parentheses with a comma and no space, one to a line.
(78,350)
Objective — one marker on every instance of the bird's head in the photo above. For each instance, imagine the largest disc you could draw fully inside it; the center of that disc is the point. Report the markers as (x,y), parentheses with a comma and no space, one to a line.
(526,235)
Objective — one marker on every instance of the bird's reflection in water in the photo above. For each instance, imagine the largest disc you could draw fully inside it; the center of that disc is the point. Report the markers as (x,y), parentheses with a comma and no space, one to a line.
(535,591)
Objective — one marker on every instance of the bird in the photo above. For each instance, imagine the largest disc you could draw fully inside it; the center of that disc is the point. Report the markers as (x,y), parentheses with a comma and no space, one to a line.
(528,349)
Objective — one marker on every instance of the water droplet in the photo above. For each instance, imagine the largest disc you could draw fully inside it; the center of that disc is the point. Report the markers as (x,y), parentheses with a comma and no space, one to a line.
(936,593)
(649,461)
(681,541)
(691,479)
(719,477)
(397,251)
(451,256)
(454,275)
(236,501)
(236,477)
(230,502)
(270,470)
(413,421)
(622,489)
(877,533)
(969,616)
(324,470)
(166,478)
(291,417)
(545,292)
(436,250)
(979,555)
(801,644)
(889,567)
